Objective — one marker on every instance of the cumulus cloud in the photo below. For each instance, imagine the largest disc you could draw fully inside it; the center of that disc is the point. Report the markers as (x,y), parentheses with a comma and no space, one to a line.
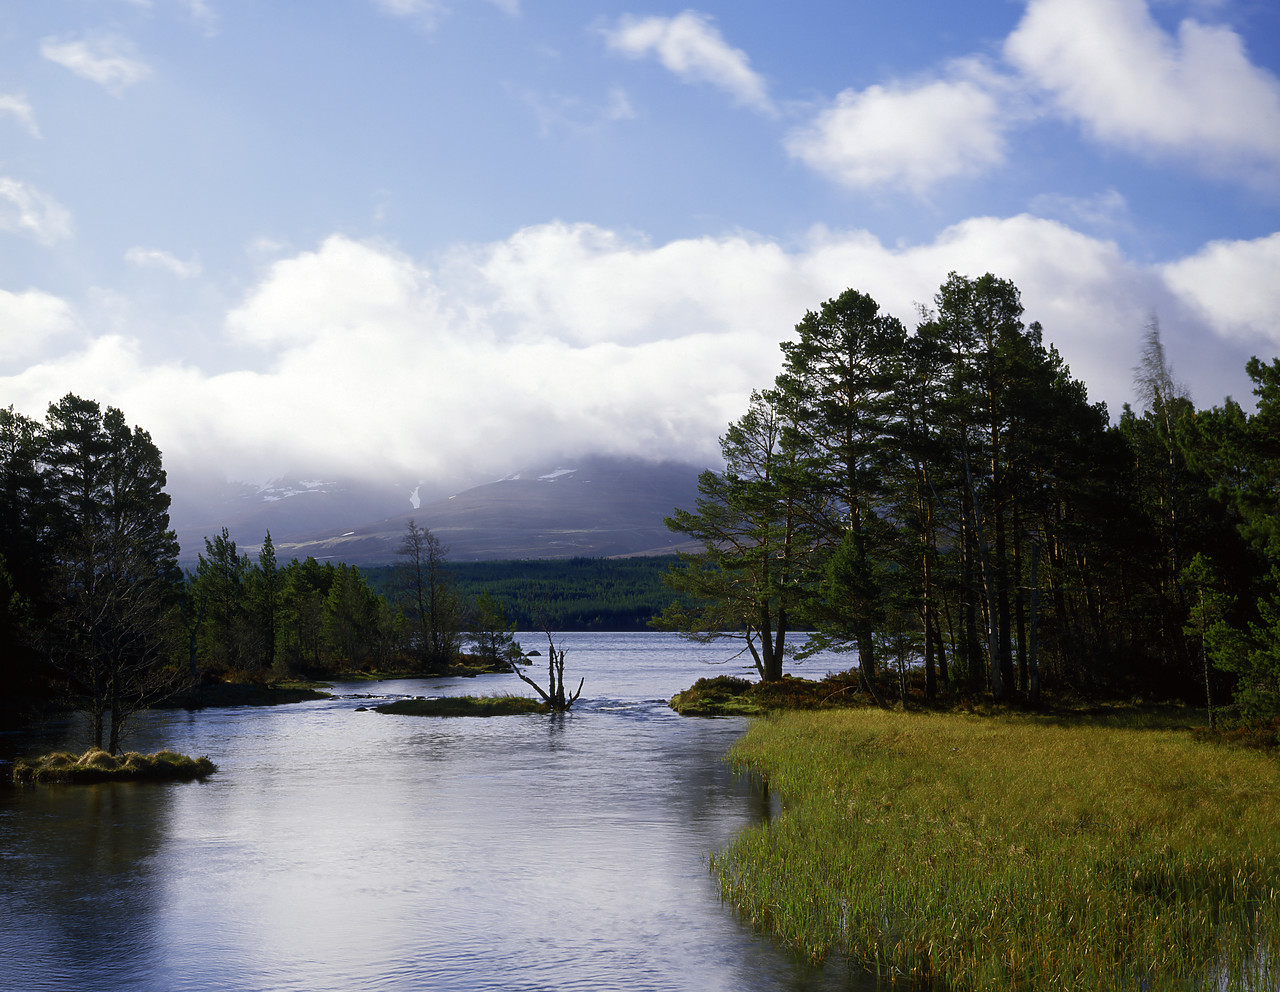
(567,339)
(1109,65)
(107,61)
(26,210)
(18,107)
(1235,285)
(905,135)
(154,258)
(29,320)
(691,46)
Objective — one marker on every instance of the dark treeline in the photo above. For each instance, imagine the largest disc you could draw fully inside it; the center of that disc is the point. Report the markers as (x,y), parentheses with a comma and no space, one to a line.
(560,594)
(950,499)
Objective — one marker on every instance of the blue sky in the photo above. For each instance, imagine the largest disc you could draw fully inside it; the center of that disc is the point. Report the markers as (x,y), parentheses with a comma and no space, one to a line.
(443,239)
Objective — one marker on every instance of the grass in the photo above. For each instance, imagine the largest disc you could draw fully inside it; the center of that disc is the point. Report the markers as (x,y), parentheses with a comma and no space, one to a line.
(1009,852)
(465,706)
(96,765)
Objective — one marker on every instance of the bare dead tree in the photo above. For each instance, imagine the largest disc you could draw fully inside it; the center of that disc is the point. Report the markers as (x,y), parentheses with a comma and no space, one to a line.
(554,696)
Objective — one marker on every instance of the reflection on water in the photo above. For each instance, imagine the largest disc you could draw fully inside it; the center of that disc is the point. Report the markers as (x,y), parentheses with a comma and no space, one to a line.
(348,850)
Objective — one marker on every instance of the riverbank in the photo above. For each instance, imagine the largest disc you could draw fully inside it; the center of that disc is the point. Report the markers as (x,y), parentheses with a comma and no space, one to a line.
(1012,851)
(215,693)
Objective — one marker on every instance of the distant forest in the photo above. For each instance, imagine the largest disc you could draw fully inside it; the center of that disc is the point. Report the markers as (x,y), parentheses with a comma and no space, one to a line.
(560,594)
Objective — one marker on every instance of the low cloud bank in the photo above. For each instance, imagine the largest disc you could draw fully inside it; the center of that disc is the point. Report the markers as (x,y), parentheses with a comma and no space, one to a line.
(569,339)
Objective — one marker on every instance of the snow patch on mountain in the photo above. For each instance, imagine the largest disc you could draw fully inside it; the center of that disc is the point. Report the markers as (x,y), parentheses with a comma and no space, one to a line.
(280,489)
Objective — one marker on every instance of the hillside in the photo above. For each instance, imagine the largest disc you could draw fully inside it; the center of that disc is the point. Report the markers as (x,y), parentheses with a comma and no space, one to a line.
(592,508)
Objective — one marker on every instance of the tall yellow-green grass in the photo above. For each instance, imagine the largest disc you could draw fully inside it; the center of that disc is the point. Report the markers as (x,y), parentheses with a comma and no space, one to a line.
(1006,853)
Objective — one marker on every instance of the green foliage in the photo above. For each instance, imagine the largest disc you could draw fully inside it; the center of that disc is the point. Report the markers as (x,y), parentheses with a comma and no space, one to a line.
(490,634)
(113,561)
(951,497)
(1252,653)
(745,584)
(425,591)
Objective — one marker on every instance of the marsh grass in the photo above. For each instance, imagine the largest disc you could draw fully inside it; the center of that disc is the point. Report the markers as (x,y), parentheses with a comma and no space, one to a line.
(465,706)
(1008,852)
(96,765)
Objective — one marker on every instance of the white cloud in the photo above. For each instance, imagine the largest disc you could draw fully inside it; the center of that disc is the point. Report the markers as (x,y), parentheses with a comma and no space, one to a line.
(554,111)
(29,320)
(26,210)
(1235,285)
(425,13)
(155,258)
(106,61)
(17,106)
(1108,64)
(568,339)
(913,136)
(199,10)
(1108,209)
(690,46)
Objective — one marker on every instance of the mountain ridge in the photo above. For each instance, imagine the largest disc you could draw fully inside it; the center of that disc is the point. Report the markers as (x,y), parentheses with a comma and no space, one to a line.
(589,507)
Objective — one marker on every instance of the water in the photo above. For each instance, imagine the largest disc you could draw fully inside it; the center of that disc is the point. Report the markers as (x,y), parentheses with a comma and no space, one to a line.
(346,850)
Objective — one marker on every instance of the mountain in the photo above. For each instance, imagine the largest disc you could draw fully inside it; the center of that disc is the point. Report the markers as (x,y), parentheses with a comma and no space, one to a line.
(292,510)
(591,507)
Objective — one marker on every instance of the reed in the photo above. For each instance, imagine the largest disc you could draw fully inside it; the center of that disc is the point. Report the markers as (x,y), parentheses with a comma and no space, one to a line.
(1001,852)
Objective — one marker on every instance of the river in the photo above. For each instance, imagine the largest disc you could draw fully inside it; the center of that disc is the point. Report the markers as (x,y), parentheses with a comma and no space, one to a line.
(344,850)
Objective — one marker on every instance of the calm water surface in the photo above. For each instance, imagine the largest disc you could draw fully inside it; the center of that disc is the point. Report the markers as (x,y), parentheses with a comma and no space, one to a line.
(346,850)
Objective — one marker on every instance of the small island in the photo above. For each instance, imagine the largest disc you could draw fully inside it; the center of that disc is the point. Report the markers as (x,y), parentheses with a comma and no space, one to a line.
(465,706)
(97,765)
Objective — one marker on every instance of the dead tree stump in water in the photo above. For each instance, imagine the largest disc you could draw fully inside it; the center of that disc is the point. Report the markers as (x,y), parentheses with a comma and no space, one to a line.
(555,695)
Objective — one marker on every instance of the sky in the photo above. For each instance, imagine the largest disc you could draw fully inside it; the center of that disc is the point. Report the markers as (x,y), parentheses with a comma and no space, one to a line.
(437,240)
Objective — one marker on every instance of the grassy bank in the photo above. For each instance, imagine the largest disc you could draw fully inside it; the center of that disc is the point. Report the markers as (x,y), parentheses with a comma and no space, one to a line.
(96,765)
(465,706)
(1011,852)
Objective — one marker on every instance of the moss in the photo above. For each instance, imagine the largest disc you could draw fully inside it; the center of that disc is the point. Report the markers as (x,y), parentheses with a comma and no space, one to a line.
(465,706)
(96,765)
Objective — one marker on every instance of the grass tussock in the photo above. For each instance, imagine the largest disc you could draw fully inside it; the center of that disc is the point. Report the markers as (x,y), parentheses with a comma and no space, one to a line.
(1011,853)
(96,765)
(465,706)
(727,695)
